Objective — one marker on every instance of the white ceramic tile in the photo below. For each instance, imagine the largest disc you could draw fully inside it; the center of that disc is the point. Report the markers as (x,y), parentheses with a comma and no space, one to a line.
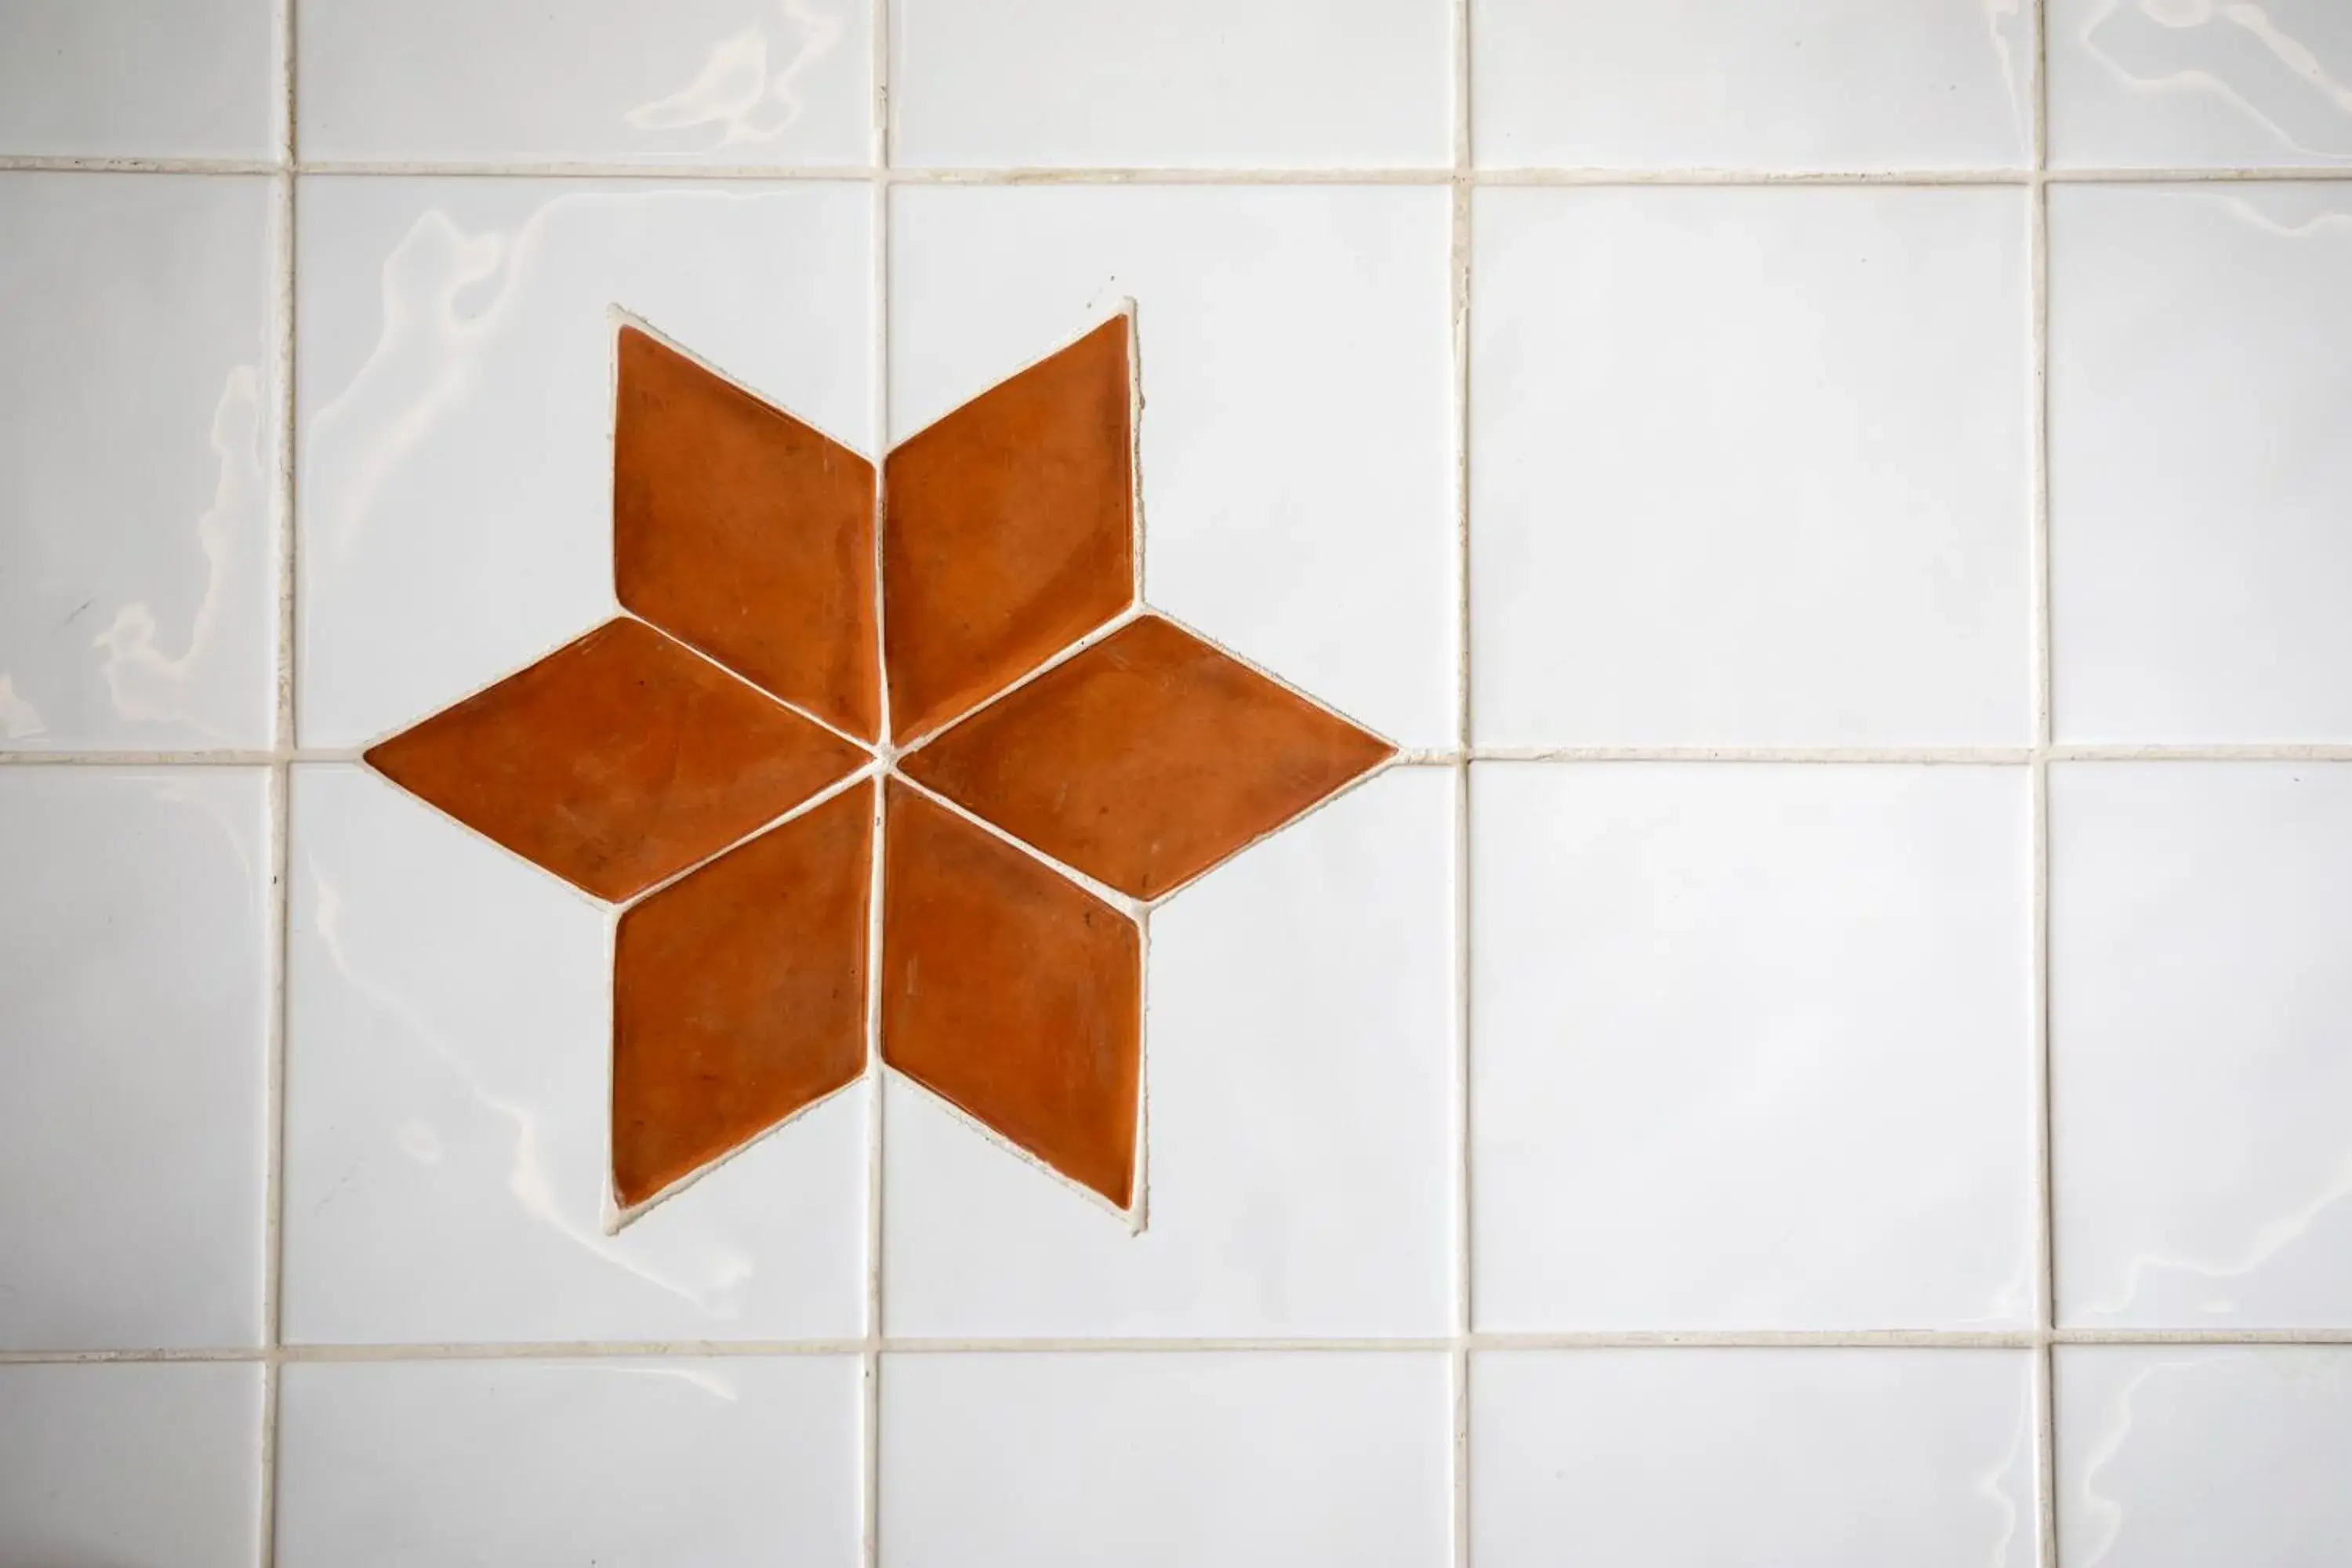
(1297,442)
(1210,84)
(1749,466)
(2200,383)
(1834,1459)
(138,433)
(152,1466)
(132,1038)
(2200,915)
(153,78)
(768,82)
(1751,1047)
(2190,83)
(2183,1455)
(1165,1460)
(456,375)
(727,1462)
(1752,84)
(447,1121)
(1300,1061)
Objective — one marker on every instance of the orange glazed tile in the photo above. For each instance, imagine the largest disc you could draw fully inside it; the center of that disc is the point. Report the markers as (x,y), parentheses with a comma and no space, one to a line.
(1145,759)
(1010,530)
(745,532)
(617,760)
(738,996)
(1011,993)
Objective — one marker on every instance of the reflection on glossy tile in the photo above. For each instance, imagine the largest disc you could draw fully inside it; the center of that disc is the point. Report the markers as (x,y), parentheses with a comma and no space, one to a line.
(138,432)
(1835,1458)
(1146,759)
(1749,467)
(448,1115)
(2200,915)
(1011,993)
(1164,1461)
(1753,84)
(1011,529)
(729,1462)
(144,1465)
(132,1038)
(192,79)
(713,82)
(738,996)
(2199,560)
(1760,1036)
(2188,83)
(2182,1456)
(740,530)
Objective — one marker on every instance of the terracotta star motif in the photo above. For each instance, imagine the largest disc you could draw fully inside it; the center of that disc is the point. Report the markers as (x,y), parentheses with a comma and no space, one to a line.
(1039,756)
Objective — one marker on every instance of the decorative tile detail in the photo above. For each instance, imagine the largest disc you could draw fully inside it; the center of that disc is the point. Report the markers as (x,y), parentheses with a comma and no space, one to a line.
(1055,742)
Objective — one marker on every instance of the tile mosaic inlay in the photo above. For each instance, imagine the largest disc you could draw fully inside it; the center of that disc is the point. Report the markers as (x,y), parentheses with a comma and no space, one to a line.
(1074,758)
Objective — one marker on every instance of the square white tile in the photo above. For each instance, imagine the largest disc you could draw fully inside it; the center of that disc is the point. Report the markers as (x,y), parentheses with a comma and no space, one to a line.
(139,429)
(1297,444)
(2182,1456)
(455,373)
(448,1116)
(140,78)
(133,1465)
(714,82)
(728,1461)
(2201,919)
(2156,83)
(1214,84)
(2200,385)
(1751,1047)
(133,1034)
(1714,1458)
(1164,1460)
(1751,84)
(1301,1170)
(1749,466)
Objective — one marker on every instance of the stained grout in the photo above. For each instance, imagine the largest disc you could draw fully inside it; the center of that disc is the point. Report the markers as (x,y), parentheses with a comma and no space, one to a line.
(869,1457)
(1458,333)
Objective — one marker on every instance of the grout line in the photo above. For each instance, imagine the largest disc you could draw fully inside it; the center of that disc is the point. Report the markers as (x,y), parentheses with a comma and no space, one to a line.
(869,1459)
(2043,1404)
(1458,304)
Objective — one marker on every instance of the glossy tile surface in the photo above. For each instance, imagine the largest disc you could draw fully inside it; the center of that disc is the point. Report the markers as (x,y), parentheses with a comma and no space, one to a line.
(1146,759)
(134,1029)
(2175,1455)
(2143,83)
(741,530)
(141,1465)
(1216,84)
(1009,529)
(2199,917)
(633,1463)
(1295,448)
(1752,84)
(1055,1461)
(713,82)
(1762,1036)
(190,79)
(455,505)
(1841,1458)
(1299,1053)
(1749,466)
(2199,337)
(449,1106)
(138,433)
(1012,993)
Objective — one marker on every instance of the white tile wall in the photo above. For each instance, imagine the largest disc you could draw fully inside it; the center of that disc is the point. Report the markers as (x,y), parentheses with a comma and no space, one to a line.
(1848,531)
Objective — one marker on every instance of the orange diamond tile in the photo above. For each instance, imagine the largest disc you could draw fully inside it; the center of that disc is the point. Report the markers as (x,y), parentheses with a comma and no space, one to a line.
(741,531)
(738,996)
(1145,759)
(616,761)
(1011,993)
(1010,530)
